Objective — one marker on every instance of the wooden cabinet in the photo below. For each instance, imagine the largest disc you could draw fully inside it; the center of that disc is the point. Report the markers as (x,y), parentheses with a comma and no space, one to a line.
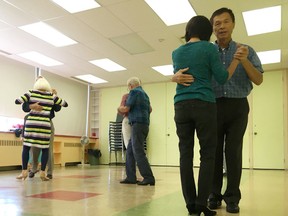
(57,152)
(10,149)
(66,149)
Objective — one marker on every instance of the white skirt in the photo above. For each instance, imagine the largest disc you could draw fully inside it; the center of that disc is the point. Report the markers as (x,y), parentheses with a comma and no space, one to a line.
(126,131)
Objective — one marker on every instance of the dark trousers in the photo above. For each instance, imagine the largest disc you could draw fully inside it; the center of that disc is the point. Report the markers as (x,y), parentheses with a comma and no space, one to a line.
(135,153)
(36,152)
(25,157)
(199,116)
(232,118)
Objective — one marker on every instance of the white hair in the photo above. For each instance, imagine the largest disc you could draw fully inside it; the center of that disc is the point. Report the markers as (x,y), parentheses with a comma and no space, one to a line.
(134,81)
(42,84)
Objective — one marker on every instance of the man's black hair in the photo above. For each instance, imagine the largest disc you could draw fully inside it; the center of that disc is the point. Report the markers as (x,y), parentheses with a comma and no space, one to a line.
(221,11)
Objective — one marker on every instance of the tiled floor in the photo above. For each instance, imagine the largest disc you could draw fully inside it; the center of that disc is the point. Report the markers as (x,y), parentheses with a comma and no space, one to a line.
(96,191)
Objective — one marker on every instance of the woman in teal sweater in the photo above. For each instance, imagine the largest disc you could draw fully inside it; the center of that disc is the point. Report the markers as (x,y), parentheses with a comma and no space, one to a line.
(195,110)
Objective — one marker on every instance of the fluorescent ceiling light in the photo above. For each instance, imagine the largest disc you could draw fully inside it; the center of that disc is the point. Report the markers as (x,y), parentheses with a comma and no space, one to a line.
(39,58)
(166,70)
(262,20)
(107,65)
(48,34)
(90,79)
(75,6)
(172,12)
(270,57)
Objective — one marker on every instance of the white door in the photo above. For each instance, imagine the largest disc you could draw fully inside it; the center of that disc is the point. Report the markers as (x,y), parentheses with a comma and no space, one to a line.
(162,140)
(172,138)
(268,122)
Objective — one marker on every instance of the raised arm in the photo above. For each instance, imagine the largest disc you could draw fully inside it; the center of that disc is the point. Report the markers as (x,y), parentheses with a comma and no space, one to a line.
(232,67)
(60,102)
(56,107)
(254,75)
(23,98)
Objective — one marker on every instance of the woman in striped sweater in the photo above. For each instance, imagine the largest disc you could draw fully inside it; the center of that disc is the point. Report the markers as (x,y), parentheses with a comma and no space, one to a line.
(37,128)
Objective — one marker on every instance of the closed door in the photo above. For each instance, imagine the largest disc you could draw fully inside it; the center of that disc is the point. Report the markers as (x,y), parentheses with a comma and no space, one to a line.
(171,136)
(268,122)
(163,141)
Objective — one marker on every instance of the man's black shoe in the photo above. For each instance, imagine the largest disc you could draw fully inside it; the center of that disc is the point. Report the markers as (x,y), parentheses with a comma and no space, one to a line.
(146,182)
(49,176)
(232,207)
(126,181)
(31,174)
(214,203)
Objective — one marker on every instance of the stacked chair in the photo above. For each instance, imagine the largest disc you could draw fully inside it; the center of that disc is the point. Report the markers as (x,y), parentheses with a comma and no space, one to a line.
(116,141)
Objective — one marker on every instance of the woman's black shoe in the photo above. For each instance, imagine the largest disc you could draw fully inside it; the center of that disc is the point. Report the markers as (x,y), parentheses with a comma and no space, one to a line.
(192,209)
(206,211)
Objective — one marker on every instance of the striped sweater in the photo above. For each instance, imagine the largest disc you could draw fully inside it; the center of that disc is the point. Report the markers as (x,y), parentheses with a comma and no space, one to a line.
(37,128)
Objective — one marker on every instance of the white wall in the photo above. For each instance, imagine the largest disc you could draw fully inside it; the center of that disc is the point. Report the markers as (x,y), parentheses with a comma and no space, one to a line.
(18,78)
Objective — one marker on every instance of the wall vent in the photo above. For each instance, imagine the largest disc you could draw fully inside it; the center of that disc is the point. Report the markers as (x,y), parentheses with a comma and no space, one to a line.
(10,143)
(72,145)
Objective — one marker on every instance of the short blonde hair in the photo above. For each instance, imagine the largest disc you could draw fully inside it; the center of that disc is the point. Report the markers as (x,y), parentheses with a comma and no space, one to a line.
(134,81)
(42,84)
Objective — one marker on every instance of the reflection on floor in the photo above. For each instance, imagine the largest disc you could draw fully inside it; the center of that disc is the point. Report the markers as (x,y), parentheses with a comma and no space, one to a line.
(95,190)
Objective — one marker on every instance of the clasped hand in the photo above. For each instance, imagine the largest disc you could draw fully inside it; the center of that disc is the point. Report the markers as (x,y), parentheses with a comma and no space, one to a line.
(241,53)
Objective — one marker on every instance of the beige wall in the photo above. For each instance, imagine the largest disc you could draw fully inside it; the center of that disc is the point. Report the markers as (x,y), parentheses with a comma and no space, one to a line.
(18,78)
(285,78)
(158,149)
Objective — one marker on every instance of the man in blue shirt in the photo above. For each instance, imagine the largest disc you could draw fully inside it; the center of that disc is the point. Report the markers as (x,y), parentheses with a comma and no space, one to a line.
(138,108)
(232,108)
